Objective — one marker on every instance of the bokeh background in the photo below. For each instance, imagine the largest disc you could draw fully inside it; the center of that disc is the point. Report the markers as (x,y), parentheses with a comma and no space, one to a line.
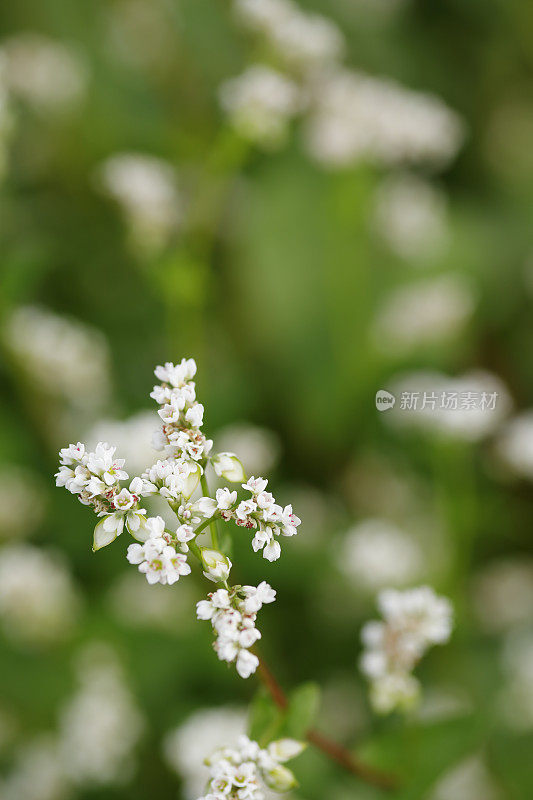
(138,226)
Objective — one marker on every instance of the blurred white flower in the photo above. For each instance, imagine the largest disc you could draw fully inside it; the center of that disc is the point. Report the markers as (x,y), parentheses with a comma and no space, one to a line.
(145,188)
(503,593)
(375,553)
(514,445)
(38,601)
(413,621)
(49,75)
(37,773)
(410,216)
(356,117)
(256,447)
(132,438)
(186,747)
(423,313)
(22,501)
(300,39)
(60,356)
(100,725)
(469,407)
(469,780)
(260,103)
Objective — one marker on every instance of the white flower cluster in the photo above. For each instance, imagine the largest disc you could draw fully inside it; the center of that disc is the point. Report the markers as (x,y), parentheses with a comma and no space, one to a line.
(181,414)
(60,356)
(233,614)
(241,772)
(302,40)
(95,477)
(38,600)
(357,117)
(145,188)
(48,75)
(157,558)
(259,512)
(100,725)
(414,620)
(350,116)
(260,103)
(161,554)
(204,731)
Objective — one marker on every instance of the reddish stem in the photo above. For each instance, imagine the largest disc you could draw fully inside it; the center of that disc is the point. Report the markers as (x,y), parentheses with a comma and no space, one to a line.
(336,752)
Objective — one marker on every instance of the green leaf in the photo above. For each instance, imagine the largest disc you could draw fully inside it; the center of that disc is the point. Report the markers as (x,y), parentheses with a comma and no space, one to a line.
(419,754)
(303,707)
(266,719)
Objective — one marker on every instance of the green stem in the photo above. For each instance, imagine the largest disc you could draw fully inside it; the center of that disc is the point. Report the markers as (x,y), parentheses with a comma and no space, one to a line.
(212,522)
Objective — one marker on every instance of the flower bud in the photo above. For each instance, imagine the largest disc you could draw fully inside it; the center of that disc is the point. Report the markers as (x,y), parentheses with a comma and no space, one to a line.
(103,535)
(217,565)
(192,480)
(285,749)
(228,466)
(280,779)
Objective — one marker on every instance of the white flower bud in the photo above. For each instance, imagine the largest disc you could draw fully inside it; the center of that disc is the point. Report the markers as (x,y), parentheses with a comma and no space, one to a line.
(280,779)
(103,536)
(217,566)
(285,749)
(192,480)
(228,466)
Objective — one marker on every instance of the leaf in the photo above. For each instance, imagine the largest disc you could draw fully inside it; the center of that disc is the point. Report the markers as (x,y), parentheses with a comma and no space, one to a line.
(266,719)
(419,754)
(303,707)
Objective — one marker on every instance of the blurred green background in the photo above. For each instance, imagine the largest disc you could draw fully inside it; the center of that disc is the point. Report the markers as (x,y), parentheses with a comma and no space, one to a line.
(283,278)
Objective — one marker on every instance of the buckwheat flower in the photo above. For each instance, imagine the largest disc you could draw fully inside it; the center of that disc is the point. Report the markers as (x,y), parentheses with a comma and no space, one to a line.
(410,216)
(38,600)
(38,772)
(413,620)
(424,313)
(204,732)
(217,566)
(232,614)
(260,104)
(157,559)
(146,190)
(61,357)
(100,725)
(242,771)
(356,117)
(48,75)
(228,466)
(376,553)
(302,40)
(467,407)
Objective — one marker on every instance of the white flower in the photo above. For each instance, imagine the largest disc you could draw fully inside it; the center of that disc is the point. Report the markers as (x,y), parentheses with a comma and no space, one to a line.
(422,313)
(414,620)
(217,566)
(246,663)
(356,117)
(38,600)
(228,466)
(225,498)
(257,596)
(158,560)
(195,415)
(145,188)
(260,104)
(62,357)
(245,508)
